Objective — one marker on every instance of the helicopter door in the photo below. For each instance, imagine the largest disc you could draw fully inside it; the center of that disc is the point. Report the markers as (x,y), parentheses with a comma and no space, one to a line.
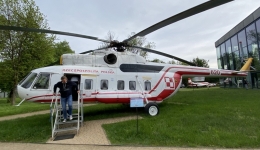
(89,89)
(55,78)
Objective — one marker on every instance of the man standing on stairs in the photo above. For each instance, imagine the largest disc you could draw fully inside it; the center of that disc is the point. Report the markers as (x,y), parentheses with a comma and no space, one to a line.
(66,87)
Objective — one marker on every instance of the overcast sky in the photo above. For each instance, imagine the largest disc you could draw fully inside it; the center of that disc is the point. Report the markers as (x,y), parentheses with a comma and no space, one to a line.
(187,39)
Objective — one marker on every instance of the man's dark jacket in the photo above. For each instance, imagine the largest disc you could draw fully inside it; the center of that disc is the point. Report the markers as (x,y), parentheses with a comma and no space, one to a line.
(65,88)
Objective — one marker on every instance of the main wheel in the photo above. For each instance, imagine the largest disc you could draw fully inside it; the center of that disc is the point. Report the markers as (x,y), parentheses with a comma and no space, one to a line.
(152,109)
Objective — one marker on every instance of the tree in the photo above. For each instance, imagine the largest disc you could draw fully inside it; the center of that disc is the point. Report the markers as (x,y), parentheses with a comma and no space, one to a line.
(22,52)
(181,63)
(200,62)
(60,48)
(171,62)
(156,60)
(141,42)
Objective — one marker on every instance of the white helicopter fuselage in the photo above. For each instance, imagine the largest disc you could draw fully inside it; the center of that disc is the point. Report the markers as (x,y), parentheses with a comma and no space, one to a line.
(130,76)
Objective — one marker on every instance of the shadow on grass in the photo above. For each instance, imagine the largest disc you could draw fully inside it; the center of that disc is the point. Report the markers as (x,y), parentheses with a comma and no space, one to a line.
(103,111)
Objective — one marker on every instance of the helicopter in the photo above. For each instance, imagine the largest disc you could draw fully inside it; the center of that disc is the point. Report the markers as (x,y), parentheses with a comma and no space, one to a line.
(111,74)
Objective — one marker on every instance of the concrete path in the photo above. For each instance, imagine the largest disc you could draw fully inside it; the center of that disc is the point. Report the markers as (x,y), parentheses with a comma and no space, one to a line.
(28,146)
(31,114)
(92,132)
(24,115)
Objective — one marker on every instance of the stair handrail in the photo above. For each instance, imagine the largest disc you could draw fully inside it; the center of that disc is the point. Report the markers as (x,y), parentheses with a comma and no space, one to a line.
(78,112)
(54,109)
(81,110)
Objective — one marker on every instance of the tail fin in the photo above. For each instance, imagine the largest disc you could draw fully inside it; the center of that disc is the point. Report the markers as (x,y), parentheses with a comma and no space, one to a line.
(247,65)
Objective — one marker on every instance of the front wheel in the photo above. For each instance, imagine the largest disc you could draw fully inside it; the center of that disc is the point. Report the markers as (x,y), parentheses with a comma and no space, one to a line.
(152,109)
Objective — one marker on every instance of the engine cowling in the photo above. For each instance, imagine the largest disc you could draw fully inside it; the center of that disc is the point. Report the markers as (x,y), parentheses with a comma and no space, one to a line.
(110,59)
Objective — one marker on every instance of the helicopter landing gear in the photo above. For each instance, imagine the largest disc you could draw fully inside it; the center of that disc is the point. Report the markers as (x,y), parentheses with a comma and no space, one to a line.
(152,109)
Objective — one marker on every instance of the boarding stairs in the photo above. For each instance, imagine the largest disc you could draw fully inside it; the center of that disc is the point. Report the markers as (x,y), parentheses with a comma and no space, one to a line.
(56,116)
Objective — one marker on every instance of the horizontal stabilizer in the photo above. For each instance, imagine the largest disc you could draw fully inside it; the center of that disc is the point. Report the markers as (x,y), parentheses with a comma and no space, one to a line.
(247,65)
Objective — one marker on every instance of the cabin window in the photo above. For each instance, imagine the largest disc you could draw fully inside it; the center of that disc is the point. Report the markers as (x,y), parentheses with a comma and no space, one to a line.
(120,85)
(132,85)
(88,84)
(147,85)
(29,80)
(104,84)
(42,81)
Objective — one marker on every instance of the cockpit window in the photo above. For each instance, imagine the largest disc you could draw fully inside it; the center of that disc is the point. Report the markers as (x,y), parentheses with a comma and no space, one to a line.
(29,80)
(24,78)
(42,81)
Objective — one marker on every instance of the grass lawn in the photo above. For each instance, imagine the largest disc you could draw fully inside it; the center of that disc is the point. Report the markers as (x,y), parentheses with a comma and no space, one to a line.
(6,109)
(200,118)
(35,129)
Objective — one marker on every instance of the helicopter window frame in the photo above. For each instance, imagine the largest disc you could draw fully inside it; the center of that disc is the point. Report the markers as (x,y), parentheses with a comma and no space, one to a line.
(42,82)
(120,84)
(28,81)
(132,85)
(87,83)
(104,84)
(147,85)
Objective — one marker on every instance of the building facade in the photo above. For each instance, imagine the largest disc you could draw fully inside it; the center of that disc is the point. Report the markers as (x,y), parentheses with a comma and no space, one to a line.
(239,43)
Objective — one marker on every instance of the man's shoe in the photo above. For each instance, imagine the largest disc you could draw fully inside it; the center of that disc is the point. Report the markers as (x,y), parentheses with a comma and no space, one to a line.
(64,120)
(71,117)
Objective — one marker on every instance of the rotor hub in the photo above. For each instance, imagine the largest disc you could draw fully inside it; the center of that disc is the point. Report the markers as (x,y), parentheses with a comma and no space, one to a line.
(118,46)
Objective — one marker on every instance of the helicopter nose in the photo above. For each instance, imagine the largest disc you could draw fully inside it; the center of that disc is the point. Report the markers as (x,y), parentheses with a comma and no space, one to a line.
(21,92)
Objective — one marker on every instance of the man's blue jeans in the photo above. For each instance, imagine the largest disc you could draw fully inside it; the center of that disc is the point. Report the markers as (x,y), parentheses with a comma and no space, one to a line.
(64,101)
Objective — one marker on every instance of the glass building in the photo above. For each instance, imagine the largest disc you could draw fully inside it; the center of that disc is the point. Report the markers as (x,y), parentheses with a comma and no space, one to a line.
(239,43)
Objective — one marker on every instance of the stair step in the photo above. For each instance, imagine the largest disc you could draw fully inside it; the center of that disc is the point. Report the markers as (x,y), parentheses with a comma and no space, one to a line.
(66,129)
(74,115)
(68,122)
(73,107)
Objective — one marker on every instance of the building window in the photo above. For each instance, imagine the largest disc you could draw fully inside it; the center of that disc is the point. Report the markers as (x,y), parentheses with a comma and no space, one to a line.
(251,34)
(219,64)
(229,54)
(236,56)
(218,52)
(258,31)
(224,56)
(42,81)
(132,85)
(88,84)
(147,85)
(242,43)
(237,61)
(120,85)
(252,40)
(104,84)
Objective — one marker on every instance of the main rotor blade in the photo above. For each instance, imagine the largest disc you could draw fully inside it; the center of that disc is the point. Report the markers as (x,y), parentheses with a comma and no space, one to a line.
(89,51)
(14,28)
(164,54)
(190,12)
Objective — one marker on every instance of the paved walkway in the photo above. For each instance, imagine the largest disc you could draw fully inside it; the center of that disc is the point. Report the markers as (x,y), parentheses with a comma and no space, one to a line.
(28,146)
(31,114)
(24,115)
(92,132)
